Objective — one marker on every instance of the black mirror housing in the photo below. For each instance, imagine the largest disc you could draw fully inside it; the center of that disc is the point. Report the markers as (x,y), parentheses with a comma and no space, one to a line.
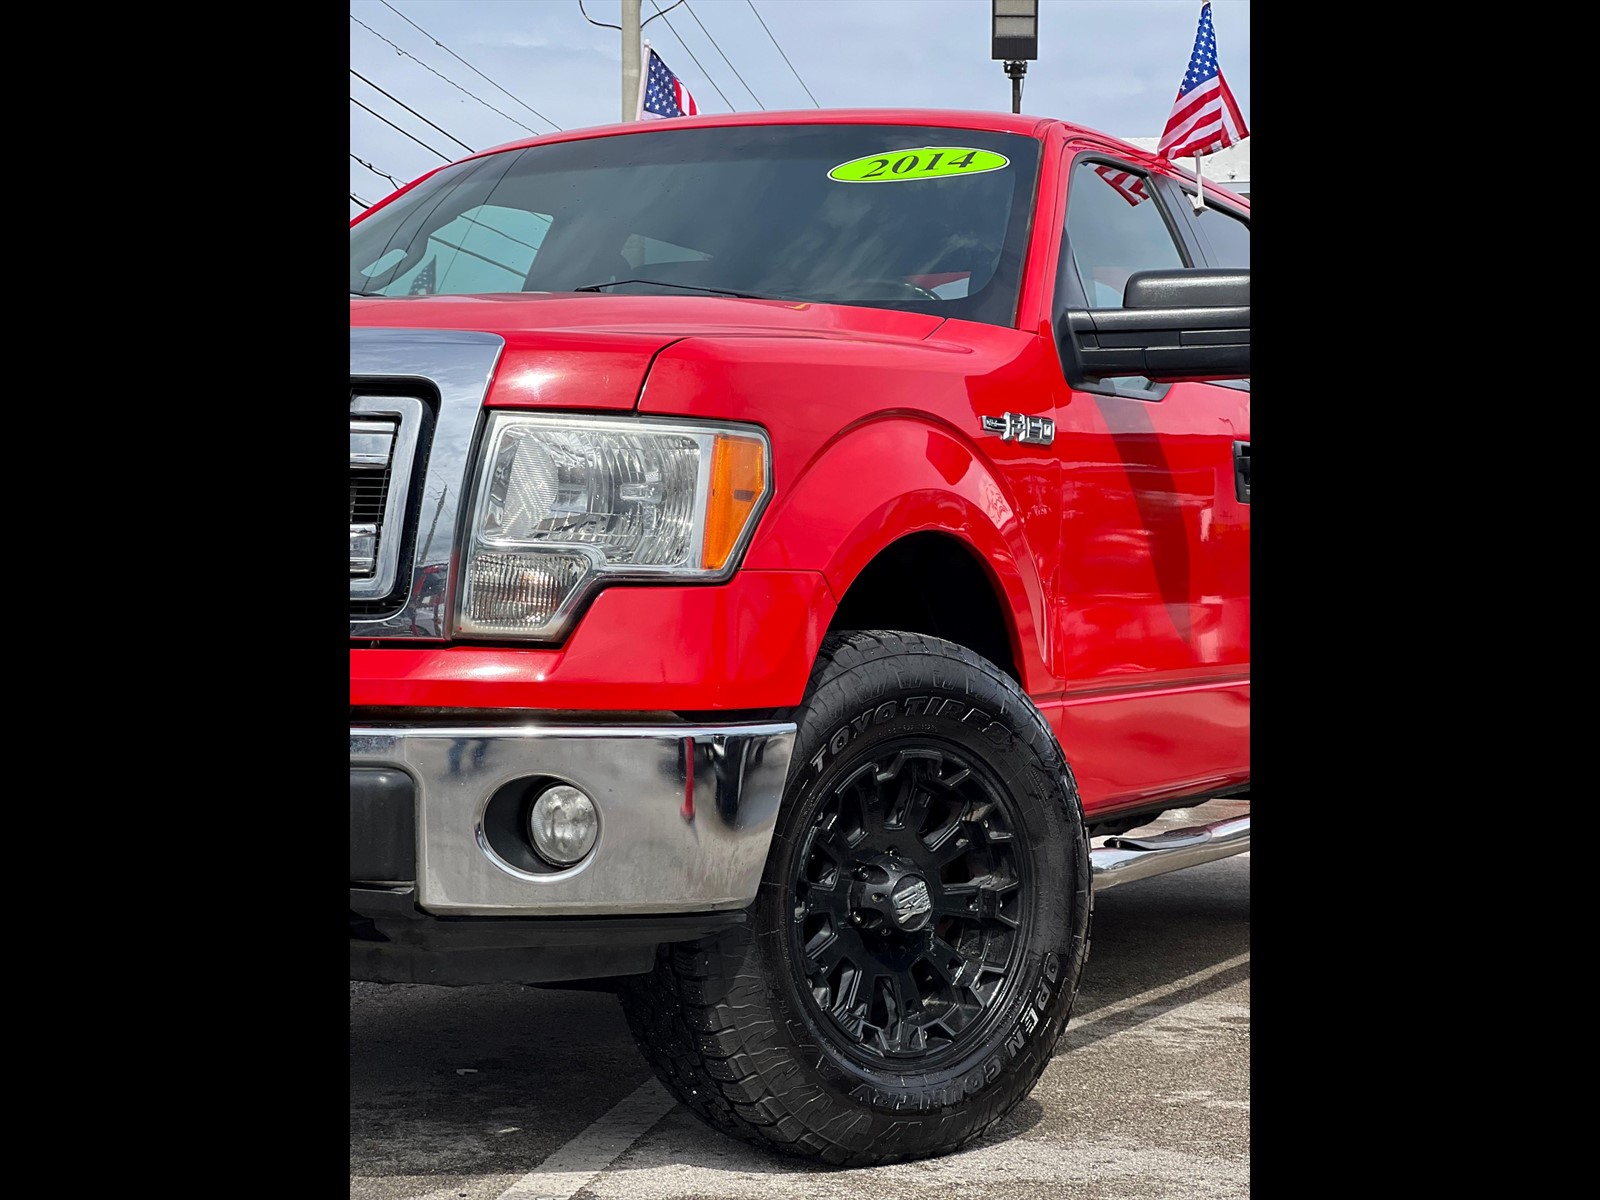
(1189,324)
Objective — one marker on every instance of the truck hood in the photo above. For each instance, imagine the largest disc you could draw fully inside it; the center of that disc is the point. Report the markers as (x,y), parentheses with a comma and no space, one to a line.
(582,350)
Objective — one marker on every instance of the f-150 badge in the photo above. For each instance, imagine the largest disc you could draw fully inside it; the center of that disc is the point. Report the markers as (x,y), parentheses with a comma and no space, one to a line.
(1036,431)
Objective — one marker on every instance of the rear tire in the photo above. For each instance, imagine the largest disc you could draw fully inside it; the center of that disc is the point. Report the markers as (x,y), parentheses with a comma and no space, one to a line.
(922,922)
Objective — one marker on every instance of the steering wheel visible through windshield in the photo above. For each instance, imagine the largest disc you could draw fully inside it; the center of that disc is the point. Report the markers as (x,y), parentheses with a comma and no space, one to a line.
(766,210)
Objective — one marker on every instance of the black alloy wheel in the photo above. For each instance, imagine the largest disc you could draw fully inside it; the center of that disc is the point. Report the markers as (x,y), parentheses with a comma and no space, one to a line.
(919,930)
(908,903)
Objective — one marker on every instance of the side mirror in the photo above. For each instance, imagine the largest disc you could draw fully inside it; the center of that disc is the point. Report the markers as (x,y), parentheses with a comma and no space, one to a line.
(1174,325)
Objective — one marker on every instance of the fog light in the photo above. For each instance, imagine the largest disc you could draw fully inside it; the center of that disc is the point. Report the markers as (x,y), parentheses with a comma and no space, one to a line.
(563,824)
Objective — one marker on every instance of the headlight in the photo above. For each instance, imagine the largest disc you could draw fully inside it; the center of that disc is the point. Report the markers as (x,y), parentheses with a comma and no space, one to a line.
(567,504)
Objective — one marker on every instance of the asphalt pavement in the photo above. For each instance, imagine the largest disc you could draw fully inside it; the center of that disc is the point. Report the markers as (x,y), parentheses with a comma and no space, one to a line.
(505,1091)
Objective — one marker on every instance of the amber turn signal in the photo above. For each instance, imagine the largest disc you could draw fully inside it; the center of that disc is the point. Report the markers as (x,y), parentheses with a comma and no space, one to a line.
(738,480)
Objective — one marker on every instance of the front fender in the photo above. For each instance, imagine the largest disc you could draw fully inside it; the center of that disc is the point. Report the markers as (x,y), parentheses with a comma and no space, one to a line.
(895,475)
(869,447)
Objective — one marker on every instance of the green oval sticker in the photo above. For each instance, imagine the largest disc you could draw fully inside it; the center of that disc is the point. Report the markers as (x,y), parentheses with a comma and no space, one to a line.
(923,162)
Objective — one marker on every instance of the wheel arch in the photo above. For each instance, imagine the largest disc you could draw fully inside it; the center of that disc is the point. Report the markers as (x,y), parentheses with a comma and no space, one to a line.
(932,582)
(915,487)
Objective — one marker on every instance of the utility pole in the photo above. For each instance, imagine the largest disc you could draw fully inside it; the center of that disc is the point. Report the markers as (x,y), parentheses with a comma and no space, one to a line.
(630,59)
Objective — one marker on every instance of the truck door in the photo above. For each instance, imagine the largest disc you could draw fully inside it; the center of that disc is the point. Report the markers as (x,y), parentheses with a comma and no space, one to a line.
(1222,235)
(1151,607)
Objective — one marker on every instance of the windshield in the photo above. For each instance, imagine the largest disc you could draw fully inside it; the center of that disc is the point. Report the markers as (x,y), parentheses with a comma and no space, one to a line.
(893,216)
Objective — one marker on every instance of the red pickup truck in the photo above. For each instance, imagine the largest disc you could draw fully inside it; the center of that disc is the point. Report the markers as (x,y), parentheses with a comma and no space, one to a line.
(778,544)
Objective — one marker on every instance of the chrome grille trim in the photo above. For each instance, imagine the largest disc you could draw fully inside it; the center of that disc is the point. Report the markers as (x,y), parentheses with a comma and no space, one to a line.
(377,578)
(371,443)
(455,365)
(363,549)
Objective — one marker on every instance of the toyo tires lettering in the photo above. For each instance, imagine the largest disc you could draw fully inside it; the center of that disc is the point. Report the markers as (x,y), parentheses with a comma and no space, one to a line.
(911,706)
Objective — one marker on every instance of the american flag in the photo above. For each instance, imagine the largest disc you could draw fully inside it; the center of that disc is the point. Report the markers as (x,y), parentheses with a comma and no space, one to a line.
(1129,187)
(663,93)
(424,283)
(1205,116)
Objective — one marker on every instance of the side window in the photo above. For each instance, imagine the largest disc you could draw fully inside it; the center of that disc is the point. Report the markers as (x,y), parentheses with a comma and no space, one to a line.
(1227,240)
(486,249)
(1114,228)
(1226,235)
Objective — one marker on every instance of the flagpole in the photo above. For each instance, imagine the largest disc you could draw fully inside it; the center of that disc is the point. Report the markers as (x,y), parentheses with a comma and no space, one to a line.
(1199,201)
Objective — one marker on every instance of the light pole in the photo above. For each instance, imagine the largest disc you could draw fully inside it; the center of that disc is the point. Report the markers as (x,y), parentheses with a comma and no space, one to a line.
(1014,40)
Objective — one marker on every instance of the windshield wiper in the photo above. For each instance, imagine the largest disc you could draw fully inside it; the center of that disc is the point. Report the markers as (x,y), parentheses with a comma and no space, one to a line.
(687,287)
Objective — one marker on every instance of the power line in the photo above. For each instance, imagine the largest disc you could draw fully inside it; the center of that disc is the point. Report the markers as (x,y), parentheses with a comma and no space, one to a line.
(465,63)
(752,4)
(446,78)
(359,200)
(412,111)
(661,13)
(392,125)
(609,25)
(375,171)
(592,21)
(690,53)
(726,59)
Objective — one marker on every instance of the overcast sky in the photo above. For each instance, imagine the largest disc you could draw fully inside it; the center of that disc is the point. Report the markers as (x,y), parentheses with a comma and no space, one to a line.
(1113,65)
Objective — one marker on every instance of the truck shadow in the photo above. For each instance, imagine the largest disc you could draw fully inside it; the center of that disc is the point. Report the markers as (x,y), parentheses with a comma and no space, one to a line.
(480,1084)
(1163,937)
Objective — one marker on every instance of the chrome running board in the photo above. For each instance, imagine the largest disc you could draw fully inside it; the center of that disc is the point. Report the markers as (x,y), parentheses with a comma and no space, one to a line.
(1125,859)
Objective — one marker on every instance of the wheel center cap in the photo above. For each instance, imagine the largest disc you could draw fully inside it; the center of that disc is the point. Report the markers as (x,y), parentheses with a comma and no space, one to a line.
(890,895)
(910,904)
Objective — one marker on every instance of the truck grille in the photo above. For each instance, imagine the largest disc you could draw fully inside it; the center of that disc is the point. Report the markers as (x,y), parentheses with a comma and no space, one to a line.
(384,433)
(428,386)
(371,447)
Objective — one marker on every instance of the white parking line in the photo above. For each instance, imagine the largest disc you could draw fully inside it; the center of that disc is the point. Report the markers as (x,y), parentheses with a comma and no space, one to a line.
(1156,993)
(571,1167)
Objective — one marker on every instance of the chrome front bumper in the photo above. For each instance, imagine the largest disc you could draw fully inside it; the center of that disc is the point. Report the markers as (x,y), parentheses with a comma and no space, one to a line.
(686,812)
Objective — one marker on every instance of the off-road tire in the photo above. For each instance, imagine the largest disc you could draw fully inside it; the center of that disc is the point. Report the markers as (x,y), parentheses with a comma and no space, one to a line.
(732,1025)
